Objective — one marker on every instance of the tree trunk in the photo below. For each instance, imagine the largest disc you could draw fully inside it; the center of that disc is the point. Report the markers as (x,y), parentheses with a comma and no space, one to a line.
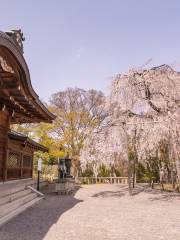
(129,178)
(152,183)
(134,173)
(173,182)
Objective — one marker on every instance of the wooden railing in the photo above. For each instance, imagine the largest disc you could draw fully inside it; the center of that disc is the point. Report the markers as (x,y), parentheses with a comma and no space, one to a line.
(103,180)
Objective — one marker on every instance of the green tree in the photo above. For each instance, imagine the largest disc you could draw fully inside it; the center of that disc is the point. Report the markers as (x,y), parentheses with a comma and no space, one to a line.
(78,113)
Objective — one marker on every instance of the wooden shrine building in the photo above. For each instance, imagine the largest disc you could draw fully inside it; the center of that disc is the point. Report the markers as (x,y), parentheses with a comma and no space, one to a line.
(18,104)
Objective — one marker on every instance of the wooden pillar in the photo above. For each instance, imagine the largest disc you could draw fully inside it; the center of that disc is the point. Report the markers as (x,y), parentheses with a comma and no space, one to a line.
(21,164)
(5,163)
(32,165)
(4,129)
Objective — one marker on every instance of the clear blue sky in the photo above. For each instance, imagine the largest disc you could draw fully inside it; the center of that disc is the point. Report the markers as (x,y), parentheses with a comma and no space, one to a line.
(84,42)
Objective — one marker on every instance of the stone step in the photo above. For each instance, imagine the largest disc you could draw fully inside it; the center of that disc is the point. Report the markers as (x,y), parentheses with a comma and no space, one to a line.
(11,187)
(14,196)
(8,191)
(19,210)
(8,207)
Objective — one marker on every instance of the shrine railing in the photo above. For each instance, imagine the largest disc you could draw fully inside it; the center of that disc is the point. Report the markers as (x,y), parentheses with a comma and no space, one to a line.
(102,180)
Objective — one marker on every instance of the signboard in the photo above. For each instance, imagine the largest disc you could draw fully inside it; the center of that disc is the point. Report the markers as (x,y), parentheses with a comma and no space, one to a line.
(39,165)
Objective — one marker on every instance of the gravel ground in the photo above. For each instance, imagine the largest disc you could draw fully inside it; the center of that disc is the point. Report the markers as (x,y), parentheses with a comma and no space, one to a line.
(102,212)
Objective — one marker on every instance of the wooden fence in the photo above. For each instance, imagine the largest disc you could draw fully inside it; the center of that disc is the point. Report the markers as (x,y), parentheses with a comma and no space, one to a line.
(103,180)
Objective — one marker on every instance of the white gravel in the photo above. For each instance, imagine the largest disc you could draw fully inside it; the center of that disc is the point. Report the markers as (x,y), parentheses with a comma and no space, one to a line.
(102,212)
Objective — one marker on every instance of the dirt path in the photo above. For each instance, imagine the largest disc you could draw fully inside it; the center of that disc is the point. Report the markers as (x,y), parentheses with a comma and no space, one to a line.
(102,212)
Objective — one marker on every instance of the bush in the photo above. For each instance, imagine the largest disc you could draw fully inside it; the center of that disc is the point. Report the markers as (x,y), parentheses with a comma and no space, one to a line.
(87,173)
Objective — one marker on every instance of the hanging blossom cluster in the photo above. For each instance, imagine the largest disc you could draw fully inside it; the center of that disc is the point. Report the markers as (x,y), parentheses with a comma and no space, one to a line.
(149,101)
(102,147)
(145,103)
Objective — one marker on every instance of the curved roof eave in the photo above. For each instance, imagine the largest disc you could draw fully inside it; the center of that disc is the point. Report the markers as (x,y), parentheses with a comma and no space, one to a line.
(8,43)
(25,139)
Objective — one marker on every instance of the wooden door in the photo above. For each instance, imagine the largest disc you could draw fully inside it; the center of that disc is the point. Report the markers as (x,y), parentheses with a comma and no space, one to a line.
(14,165)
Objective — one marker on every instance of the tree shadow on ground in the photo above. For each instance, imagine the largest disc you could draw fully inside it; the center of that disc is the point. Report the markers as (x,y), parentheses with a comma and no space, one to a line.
(106,194)
(160,195)
(124,190)
(139,189)
(156,193)
(35,222)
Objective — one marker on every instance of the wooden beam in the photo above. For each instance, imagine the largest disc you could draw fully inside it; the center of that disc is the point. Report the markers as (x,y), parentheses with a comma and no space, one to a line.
(7,75)
(9,85)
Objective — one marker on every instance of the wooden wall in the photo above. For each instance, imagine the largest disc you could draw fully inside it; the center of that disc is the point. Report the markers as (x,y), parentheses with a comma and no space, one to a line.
(16,159)
(19,160)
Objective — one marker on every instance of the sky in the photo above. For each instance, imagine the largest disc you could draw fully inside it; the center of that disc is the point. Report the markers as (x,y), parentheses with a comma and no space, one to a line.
(85,43)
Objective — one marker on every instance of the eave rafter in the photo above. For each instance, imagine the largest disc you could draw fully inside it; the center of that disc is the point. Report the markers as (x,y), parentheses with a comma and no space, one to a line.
(15,100)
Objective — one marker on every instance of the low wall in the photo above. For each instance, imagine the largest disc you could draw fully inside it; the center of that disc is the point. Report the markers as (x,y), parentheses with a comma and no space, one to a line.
(103,180)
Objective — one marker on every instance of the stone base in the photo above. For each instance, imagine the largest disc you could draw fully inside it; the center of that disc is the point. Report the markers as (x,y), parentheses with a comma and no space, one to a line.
(65,186)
